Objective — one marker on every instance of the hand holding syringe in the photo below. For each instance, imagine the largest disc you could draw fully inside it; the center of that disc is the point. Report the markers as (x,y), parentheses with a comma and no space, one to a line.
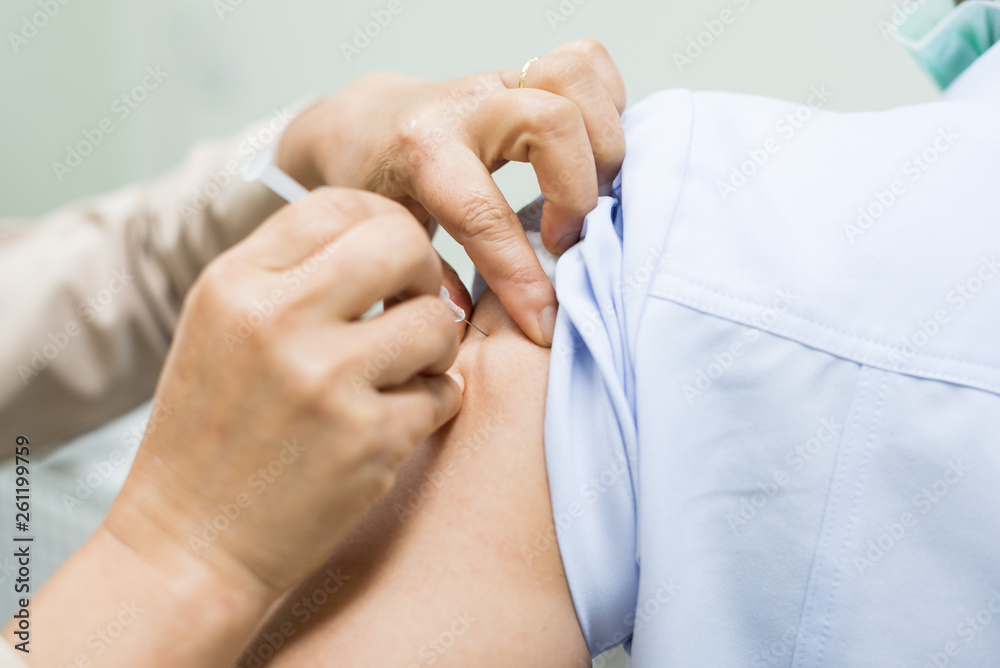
(261,167)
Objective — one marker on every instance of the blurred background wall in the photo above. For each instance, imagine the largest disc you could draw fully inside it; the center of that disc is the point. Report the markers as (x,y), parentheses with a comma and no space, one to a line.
(229,62)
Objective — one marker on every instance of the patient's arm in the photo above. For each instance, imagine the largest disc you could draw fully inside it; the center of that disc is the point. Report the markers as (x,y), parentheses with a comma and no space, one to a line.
(455,567)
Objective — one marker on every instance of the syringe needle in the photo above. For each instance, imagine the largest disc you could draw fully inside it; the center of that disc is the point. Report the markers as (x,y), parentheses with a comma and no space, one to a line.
(480,331)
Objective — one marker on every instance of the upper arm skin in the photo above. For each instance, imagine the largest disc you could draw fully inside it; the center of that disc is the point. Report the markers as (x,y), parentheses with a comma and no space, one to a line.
(457,566)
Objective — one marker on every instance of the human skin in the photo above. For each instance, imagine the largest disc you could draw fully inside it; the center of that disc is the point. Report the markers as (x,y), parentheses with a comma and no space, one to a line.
(456,566)
(413,141)
(280,419)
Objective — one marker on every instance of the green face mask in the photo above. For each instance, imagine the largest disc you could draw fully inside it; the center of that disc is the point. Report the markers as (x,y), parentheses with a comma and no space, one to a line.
(946,39)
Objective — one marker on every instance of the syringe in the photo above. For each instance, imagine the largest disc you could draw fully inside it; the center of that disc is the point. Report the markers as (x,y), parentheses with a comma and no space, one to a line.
(260,167)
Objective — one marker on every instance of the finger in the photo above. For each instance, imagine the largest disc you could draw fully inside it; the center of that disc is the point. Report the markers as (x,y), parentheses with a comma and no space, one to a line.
(478,217)
(548,131)
(576,79)
(389,255)
(421,407)
(594,53)
(305,228)
(415,337)
(457,292)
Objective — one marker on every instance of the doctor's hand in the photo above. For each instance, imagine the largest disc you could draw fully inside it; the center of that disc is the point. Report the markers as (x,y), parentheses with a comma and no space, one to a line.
(288,415)
(433,147)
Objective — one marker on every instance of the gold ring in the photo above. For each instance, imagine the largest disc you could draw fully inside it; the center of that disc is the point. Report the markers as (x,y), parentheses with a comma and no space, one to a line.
(524,72)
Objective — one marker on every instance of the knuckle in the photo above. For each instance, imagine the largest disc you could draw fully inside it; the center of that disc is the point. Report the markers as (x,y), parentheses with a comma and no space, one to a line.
(521,274)
(410,133)
(482,216)
(413,142)
(589,48)
(368,418)
(555,115)
(520,269)
(333,204)
(216,289)
(572,71)
(463,98)
(405,246)
(304,383)
(359,422)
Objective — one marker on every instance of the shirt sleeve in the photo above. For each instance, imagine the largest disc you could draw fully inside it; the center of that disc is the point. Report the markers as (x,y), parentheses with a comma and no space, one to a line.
(9,657)
(91,294)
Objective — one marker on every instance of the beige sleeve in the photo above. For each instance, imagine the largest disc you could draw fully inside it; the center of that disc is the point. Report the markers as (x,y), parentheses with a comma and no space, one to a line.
(90,295)
(9,657)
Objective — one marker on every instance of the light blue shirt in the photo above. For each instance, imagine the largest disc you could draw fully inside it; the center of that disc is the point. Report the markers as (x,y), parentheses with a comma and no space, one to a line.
(773,418)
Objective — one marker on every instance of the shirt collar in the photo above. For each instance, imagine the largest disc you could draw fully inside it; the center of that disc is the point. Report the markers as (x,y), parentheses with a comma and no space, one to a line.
(946,40)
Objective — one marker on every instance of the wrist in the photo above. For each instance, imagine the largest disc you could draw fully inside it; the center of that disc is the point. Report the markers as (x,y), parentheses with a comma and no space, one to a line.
(112,603)
(160,534)
(185,580)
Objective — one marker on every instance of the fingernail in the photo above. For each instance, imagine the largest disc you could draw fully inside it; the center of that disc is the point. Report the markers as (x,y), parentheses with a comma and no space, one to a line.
(567,242)
(457,377)
(547,323)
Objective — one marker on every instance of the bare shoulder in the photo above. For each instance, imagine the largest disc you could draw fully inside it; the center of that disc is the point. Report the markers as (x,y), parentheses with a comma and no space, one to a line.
(449,570)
